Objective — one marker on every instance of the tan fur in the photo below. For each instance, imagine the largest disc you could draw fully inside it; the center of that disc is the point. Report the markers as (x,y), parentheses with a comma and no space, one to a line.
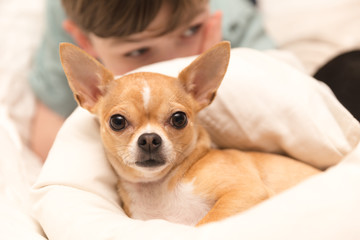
(249,176)
(225,181)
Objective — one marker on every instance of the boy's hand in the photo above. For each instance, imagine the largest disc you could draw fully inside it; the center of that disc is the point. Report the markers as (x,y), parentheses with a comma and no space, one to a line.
(45,125)
(212,31)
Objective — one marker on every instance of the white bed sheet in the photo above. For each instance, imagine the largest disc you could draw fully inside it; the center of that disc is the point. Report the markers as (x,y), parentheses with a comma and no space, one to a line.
(20,27)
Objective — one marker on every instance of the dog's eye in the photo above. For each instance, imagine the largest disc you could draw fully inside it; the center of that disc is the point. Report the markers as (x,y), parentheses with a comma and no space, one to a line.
(117,122)
(178,120)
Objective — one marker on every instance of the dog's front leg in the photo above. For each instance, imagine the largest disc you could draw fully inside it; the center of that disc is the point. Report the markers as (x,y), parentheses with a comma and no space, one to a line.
(234,202)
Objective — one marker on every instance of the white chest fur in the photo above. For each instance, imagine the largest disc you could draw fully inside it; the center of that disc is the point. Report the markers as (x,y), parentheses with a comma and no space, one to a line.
(155,201)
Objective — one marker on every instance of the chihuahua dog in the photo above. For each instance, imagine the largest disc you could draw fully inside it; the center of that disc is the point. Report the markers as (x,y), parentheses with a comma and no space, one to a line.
(160,152)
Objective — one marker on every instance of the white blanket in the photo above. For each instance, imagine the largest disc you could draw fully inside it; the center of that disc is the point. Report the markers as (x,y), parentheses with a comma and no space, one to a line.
(262,104)
(91,209)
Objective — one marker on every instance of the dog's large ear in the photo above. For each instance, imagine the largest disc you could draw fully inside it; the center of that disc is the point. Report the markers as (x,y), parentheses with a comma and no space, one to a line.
(204,75)
(86,76)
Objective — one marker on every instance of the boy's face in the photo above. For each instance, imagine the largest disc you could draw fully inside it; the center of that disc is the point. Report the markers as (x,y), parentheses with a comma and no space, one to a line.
(121,55)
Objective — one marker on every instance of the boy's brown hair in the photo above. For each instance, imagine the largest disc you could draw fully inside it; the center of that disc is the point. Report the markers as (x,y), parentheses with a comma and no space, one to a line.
(121,18)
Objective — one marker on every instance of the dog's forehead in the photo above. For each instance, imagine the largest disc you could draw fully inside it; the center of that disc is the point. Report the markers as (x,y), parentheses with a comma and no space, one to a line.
(147,89)
(135,81)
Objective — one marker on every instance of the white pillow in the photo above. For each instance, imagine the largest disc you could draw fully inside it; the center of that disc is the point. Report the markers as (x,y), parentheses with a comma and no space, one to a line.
(324,29)
(262,104)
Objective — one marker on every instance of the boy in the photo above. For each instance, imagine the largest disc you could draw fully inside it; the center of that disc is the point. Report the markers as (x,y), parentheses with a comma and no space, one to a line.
(125,35)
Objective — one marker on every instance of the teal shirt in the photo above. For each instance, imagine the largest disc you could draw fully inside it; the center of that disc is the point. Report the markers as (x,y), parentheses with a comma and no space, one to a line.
(242,26)
(47,78)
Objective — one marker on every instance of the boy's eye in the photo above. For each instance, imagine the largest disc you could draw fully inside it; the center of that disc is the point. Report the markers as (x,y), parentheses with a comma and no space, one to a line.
(137,52)
(192,30)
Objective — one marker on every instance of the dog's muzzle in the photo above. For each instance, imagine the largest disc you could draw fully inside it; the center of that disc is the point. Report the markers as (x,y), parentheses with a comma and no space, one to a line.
(150,154)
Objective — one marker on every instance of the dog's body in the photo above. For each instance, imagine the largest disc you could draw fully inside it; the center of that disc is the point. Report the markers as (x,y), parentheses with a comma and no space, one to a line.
(159,150)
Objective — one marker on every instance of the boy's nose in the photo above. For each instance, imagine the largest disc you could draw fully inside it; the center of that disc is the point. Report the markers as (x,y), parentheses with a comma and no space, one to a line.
(171,46)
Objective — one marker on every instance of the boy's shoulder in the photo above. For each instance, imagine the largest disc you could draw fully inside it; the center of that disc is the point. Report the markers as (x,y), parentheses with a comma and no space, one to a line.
(47,78)
(242,24)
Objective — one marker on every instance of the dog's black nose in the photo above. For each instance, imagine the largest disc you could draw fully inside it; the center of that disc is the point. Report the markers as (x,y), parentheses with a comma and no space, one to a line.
(149,142)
